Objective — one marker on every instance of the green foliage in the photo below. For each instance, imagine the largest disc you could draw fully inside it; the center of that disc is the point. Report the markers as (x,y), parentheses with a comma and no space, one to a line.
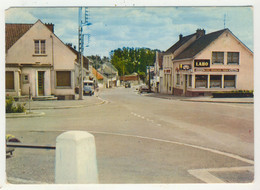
(11,108)
(98,61)
(235,91)
(130,60)
(20,108)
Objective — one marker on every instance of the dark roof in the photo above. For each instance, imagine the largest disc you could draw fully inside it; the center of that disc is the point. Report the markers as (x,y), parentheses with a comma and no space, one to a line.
(199,44)
(85,60)
(14,32)
(178,44)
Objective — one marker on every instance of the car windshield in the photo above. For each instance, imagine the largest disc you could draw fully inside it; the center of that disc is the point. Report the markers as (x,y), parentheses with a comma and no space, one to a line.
(88,84)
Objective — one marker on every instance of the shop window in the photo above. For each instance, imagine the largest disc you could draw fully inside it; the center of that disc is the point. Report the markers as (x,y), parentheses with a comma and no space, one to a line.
(215,81)
(233,58)
(63,78)
(39,47)
(217,57)
(229,81)
(9,80)
(178,80)
(190,80)
(201,81)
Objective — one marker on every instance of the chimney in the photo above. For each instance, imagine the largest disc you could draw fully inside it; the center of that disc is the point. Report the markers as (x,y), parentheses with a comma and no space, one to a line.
(180,36)
(200,33)
(50,26)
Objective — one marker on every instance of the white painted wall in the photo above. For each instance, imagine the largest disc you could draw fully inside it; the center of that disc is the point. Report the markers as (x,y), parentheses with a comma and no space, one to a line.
(57,55)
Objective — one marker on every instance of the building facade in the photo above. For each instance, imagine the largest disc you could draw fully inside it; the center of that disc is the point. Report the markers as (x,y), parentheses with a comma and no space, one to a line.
(38,60)
(218,61)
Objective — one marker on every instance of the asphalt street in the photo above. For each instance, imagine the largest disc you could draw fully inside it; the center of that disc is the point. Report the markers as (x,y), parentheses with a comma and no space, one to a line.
(143,139)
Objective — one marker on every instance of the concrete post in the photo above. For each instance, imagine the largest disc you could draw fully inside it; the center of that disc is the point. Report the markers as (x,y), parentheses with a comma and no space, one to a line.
(75,161)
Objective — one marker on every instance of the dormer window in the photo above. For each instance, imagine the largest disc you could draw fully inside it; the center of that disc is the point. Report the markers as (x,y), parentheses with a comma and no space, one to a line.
(39,47)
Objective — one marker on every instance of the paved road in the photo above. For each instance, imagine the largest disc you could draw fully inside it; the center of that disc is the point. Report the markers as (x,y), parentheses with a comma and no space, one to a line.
(142,139)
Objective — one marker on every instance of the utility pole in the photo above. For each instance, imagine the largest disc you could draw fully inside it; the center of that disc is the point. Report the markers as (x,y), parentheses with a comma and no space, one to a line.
(80,40)
(82,22)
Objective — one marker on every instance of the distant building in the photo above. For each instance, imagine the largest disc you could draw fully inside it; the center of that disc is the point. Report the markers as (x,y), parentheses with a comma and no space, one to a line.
(110,74)
(158,72)
(133,78)
(200,64)
(37,59)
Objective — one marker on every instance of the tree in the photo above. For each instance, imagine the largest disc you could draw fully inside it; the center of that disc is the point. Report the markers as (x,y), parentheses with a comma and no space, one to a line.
(129,60)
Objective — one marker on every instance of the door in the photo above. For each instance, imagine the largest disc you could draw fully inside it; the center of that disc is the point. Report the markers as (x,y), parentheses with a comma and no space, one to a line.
(40,83)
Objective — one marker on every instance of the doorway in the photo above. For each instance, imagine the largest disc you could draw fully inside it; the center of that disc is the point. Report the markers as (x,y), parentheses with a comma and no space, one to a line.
(40,83)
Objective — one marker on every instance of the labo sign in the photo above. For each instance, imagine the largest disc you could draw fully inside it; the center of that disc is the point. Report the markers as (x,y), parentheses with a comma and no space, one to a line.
(202,63)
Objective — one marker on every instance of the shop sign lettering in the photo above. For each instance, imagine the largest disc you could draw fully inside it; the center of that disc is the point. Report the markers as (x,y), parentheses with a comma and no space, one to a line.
(167,71)
(202,63)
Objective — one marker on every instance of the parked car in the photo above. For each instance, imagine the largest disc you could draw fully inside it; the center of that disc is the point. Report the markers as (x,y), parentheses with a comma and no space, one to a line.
(88,90)
(143,88)
(127,85)
(89,83)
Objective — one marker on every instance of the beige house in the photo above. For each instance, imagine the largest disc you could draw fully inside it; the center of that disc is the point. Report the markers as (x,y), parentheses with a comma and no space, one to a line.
(37,59)
(204,63)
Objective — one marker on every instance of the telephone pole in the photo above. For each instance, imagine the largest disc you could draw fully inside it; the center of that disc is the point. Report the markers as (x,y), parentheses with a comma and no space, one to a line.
(83,21)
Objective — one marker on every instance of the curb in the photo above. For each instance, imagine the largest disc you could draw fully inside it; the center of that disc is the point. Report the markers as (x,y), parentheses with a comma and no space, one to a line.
(69,107)
(24,115)
(208,101)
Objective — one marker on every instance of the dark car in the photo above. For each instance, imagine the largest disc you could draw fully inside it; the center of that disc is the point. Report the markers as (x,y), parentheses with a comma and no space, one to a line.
(143,88)
(88,90)
(127,85)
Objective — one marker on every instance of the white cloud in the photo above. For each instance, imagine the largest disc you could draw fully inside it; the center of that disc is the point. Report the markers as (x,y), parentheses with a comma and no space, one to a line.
(19,15)
(152,27)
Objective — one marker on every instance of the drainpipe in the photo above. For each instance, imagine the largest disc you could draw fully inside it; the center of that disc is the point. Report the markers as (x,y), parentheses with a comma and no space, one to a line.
(52,63)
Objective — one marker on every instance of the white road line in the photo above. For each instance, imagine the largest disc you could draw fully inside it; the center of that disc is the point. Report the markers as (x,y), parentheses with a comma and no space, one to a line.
(183,144)
(206,176)
(24,181)
(237,157)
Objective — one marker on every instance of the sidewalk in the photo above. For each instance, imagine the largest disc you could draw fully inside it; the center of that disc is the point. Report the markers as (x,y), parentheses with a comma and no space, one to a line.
(64,104)
(202,98)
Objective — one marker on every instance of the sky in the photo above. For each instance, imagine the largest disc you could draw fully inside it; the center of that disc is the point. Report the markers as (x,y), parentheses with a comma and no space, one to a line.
(150,27)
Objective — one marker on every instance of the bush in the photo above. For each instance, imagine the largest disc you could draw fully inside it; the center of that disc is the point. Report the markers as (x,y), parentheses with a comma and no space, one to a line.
(234,94)
(11,108)
(20,108)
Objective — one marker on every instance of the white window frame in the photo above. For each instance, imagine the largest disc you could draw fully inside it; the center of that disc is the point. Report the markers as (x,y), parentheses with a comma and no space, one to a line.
(41,48)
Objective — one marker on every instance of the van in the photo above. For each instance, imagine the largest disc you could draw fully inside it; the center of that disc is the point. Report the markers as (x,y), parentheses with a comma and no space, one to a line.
(89,83)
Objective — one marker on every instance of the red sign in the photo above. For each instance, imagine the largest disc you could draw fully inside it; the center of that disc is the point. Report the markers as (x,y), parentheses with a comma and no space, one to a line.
(167,71)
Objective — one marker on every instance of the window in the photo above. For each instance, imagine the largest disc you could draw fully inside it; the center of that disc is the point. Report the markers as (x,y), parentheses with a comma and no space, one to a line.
(201,81)
(63,79)
(25,78)
(233,58)
(217,57)
(230,81)
(190,80)
(178,79)
(215,81)
(9,80)
(39,47)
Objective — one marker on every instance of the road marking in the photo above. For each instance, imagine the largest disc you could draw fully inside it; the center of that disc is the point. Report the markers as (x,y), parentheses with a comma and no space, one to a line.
(206,176)
(25,181)
(237,157)
(183,144)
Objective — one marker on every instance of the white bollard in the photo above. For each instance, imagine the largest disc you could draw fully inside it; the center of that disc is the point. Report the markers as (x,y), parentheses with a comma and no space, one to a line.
(75,161)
